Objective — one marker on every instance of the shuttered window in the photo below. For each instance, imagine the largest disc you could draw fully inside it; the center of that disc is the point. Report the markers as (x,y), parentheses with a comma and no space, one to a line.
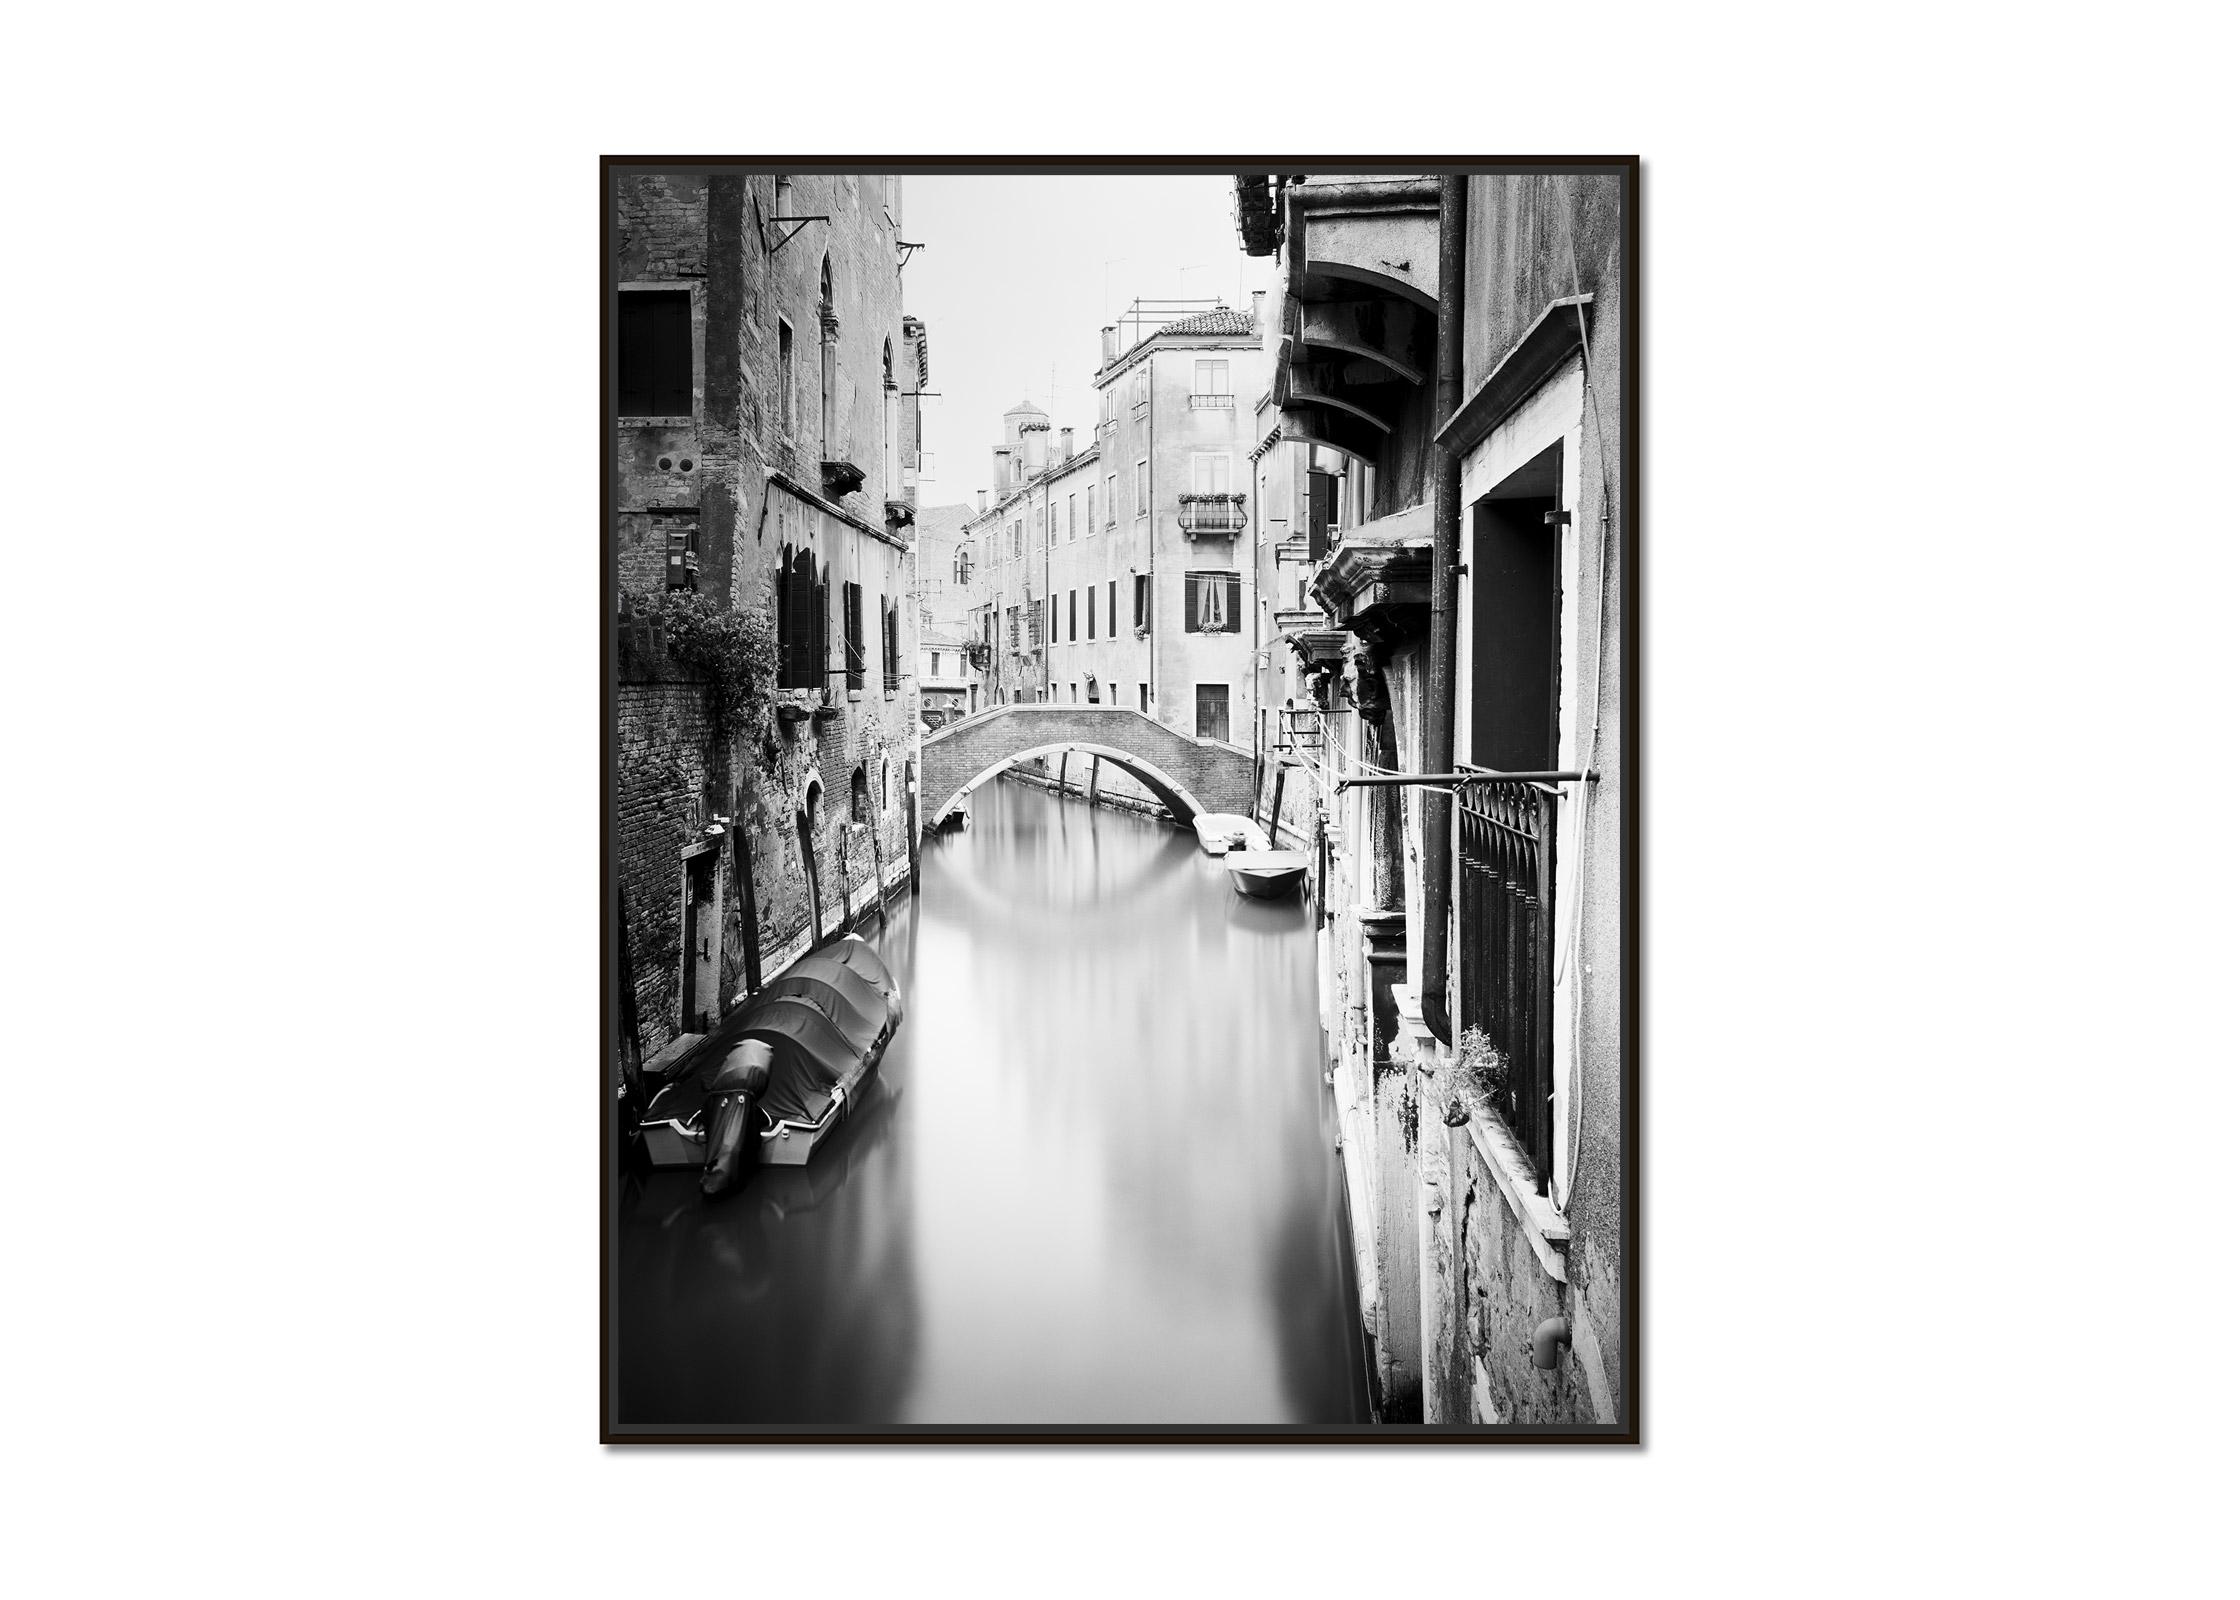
(851,623)
(653,357)
(1322,513)
(1209,602)
(800,622)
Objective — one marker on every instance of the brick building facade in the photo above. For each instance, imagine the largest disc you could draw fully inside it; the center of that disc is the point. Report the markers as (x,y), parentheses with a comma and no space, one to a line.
(766,445)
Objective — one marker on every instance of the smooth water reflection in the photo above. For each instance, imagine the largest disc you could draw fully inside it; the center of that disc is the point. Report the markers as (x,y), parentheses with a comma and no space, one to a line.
(1095,1182)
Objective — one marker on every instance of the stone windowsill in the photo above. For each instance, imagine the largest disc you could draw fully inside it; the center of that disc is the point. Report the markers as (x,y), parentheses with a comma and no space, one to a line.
(1548,1231)
(1546,1228)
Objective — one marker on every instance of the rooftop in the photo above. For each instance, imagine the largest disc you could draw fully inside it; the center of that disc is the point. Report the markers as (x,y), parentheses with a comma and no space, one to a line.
(1222,322)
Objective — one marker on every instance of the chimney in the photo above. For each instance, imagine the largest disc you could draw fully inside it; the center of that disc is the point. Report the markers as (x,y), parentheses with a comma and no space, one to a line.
(1065,444)
(1259,310)
(983,502)
(1002,473)
(1111,343)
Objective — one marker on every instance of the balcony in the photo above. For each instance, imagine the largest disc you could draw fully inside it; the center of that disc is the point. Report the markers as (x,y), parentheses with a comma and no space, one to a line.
(1212,515)
(1376,583)
(1359,320)
(1506,881)
(1213,402)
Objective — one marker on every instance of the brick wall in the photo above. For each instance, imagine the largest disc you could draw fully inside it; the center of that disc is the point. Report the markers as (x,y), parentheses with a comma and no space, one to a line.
(1219,777)
(713,237)
(662,734)
(661,231)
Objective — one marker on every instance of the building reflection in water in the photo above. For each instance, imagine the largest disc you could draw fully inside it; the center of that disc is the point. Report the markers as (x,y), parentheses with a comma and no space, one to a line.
(1097,1184)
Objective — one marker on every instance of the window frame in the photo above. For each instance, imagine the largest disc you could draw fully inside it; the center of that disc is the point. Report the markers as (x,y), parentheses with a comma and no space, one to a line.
(786,377)
(693,369)
(1200,460)
(1193,584)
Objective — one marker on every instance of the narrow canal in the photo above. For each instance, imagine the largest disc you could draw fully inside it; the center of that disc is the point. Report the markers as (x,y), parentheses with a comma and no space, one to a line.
(1095,1182)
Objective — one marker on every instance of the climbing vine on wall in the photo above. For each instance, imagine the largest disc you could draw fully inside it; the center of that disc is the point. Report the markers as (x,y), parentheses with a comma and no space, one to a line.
(735,650)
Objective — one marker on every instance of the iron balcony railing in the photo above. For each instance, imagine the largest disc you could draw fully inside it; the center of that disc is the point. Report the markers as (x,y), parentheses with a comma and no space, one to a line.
(1212,513)
(1506,904)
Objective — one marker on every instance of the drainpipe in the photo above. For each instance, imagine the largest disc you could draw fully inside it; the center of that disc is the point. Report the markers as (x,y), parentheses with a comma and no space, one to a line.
(1151,522)
(1259,725)
(1446,527)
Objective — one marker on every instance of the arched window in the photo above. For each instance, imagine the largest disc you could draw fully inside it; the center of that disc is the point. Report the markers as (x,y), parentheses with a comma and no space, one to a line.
(886,362)
(859,797)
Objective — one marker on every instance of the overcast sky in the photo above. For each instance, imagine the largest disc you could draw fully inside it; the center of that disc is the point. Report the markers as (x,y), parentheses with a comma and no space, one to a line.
(1019,273)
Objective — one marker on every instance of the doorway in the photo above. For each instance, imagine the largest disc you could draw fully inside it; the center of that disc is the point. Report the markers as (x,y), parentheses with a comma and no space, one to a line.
(1516,599)
(805,830)
(1213,711)
(700,958)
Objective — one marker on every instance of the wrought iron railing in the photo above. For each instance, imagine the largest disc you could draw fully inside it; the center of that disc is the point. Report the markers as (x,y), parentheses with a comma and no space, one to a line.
(1506,868)
(1212,513)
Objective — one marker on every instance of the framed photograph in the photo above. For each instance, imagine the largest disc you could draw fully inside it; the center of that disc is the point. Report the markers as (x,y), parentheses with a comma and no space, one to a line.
(1118,887)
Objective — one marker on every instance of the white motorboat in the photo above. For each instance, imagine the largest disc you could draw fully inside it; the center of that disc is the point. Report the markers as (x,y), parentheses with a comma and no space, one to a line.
(1220,832)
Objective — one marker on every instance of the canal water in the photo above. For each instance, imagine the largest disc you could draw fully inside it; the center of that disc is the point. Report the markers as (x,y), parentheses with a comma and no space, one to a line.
(1095,1181)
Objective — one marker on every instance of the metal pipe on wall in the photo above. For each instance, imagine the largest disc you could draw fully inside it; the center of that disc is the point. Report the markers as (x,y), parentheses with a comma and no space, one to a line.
(1446,529)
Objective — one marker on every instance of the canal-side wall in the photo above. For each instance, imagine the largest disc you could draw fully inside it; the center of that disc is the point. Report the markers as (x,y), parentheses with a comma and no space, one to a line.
(799,353)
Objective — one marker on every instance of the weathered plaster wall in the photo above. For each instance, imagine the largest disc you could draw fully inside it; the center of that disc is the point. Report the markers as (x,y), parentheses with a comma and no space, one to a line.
(711,473)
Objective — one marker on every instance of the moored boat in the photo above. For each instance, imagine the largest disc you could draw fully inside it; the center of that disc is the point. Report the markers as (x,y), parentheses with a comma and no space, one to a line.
(802,1050)
(1219,832)
(1266,874)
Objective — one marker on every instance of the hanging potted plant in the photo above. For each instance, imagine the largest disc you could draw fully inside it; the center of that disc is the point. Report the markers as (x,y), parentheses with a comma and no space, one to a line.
(1477,1078)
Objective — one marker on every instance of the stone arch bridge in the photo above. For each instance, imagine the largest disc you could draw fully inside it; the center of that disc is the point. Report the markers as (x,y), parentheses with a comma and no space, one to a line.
(1188,775)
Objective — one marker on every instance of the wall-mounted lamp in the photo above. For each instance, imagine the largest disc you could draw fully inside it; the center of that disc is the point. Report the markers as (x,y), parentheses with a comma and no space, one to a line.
(1551,1336)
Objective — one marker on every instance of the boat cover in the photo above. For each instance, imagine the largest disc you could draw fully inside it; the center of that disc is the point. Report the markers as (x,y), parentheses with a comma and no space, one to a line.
(859,1009)
(859,958)
(810,1058)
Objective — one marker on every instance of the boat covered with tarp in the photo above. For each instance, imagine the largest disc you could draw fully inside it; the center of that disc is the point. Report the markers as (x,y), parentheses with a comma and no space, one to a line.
(791,1063)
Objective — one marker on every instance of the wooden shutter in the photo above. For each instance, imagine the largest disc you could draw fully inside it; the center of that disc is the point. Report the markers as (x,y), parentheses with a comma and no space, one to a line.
(797,620)
(820,645)
(1322,511)
(653,355)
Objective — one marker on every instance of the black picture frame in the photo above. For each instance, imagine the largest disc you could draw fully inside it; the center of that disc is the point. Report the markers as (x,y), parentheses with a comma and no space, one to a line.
(1627,1429)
